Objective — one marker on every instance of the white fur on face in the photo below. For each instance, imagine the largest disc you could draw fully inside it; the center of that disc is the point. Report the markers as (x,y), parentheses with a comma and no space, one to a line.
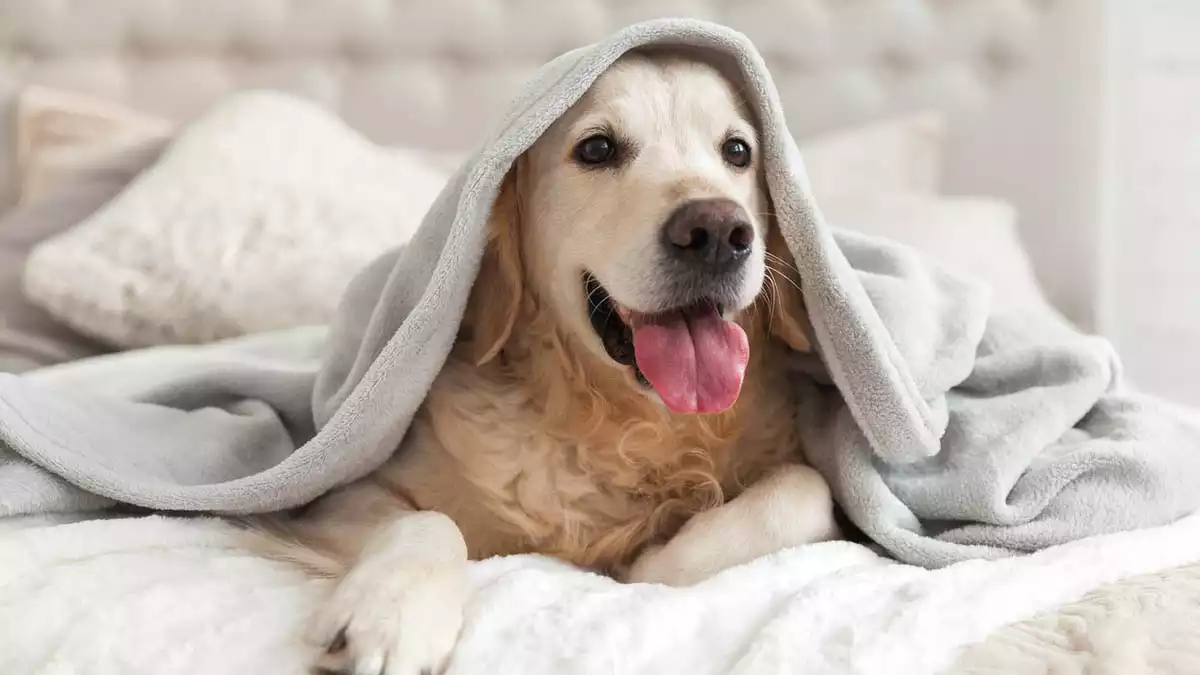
(670,116)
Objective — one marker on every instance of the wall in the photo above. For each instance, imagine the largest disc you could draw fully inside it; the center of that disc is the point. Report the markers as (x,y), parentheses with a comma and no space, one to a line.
(1149,297)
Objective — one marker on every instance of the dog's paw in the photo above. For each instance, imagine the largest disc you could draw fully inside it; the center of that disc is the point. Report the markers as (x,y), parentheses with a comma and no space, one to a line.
(391,621)
(660,565)
(791,507)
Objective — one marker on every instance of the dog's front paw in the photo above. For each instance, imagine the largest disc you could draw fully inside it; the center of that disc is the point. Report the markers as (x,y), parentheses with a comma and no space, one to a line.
(386,620)
(791,507)
(661,565)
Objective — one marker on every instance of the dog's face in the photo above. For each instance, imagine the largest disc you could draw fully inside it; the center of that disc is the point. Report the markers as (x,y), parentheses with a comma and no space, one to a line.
(643,221)
(658,155)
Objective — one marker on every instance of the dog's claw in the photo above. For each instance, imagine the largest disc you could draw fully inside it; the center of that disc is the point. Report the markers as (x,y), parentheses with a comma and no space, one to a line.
(338,643)
(351,667)
(389,622)
(393,614)
(338,659)
(333,664)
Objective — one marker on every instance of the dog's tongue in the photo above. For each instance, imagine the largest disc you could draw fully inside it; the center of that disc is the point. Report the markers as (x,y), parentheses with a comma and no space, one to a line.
(694,358)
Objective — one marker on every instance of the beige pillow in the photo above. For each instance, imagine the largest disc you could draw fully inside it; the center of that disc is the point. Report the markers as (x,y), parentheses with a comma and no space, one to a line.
(901,154)
(189,254)
(255,218)
(29,336)
(58,135)
(975,236)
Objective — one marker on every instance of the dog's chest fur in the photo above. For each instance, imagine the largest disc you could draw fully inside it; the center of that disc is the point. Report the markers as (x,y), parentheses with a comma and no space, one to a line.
(570,474)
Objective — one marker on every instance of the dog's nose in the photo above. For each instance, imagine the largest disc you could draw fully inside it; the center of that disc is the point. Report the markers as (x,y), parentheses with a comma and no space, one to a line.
(714,234)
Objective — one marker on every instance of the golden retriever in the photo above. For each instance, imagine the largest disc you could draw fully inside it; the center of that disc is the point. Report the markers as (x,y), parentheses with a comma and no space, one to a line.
(614,398)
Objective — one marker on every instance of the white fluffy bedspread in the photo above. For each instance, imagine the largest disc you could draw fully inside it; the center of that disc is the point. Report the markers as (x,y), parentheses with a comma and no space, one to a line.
(164,596)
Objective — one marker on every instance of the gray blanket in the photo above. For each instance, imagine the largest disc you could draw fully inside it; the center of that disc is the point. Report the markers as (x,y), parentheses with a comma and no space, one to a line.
(948,431)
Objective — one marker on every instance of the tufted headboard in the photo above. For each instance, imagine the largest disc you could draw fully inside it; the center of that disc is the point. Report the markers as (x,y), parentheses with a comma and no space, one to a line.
(1019,78)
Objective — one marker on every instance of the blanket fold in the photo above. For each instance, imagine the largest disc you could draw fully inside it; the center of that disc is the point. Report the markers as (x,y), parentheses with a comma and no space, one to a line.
(947,430)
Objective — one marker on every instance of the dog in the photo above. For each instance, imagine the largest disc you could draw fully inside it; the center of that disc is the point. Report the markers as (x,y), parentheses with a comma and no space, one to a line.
(614,398)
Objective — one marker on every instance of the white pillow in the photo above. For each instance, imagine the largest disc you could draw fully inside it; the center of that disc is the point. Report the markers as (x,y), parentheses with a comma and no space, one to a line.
(260,213)
(975,236)
(901,154)
(256,218)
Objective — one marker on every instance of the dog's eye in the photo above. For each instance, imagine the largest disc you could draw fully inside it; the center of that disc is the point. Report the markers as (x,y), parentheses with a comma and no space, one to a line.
(596,149)
(736,152)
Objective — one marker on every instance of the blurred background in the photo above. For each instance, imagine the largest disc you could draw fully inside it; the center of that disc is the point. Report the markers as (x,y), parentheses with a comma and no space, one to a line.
(1052,146)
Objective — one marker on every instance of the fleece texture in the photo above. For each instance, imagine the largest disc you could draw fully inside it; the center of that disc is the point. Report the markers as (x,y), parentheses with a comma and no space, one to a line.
(175,596)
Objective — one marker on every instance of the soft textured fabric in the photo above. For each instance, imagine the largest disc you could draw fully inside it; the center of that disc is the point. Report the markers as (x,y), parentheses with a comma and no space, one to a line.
(270,240)
(902,154)
(946,430)
(58,135)
(194,601)
(29,336)
(73,155)
(976,236)
(255,219)
(1144,625)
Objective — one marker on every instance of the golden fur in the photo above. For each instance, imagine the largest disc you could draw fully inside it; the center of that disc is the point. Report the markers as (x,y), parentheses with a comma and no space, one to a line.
(532,440)
(547,450)
(533,443)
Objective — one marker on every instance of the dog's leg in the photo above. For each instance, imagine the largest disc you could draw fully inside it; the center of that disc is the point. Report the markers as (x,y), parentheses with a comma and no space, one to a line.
(398,610)
(790,507)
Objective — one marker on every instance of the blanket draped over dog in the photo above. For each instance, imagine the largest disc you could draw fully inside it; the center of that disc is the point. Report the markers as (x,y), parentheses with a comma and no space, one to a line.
(948,430)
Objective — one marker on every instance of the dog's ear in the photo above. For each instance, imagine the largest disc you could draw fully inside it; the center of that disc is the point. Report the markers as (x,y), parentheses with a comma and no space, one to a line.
(500,287)
(787,316)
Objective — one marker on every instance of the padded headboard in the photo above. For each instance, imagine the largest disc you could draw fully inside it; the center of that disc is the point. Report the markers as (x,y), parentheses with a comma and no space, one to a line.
(1019,77)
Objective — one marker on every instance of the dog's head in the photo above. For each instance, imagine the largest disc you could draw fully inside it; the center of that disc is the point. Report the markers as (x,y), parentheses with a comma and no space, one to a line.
(641,220)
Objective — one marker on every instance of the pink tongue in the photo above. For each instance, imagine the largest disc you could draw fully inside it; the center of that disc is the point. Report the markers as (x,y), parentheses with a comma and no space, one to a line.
(695,360)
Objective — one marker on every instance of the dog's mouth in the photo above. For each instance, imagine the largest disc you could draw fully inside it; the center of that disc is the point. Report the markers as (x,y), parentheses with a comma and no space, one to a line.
(692,356)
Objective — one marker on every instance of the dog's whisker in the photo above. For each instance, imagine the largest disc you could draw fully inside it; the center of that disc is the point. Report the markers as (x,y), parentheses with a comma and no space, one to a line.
(784,273)
(781,266)
(609,305)
(778,264)
(773,283)
(793,283)
(594,306)
(781,260)
(774,271)
(772,258)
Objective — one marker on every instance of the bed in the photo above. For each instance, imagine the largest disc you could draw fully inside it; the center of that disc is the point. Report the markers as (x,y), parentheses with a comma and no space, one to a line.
(1020,80)
(1015,80)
